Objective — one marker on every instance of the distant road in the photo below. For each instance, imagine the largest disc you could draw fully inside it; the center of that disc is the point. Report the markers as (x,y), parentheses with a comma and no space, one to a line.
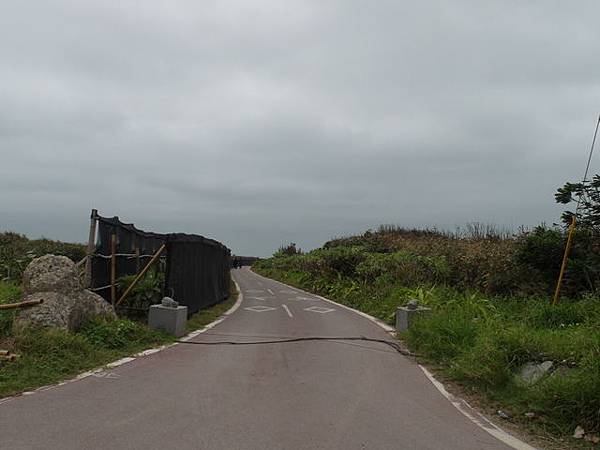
(297,395)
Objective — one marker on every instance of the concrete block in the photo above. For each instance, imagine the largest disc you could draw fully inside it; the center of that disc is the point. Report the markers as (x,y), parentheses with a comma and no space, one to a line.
(406,314)
(171,320)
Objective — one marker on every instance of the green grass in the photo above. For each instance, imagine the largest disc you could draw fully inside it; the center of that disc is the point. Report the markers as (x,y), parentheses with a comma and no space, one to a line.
(50,355)
(9,293)
(206,316)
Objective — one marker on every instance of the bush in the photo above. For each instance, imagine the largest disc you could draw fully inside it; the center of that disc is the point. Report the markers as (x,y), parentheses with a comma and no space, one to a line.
(9,293)
(16,251)
(546,315)
(443,336)
(116,334)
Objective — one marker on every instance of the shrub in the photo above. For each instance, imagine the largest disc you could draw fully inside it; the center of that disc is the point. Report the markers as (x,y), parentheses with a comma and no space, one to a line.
(9,293)
(546,315)
(443,336)
(16,251)
(116,334)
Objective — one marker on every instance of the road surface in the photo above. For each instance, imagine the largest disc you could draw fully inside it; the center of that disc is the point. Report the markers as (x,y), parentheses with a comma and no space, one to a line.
(295,395)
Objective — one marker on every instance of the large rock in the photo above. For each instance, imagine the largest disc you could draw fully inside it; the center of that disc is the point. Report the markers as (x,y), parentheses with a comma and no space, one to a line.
(51,273)
(66,305)
(531,372)
(67,312)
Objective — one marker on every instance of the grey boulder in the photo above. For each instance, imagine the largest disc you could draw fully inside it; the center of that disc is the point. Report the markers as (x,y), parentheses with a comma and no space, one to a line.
(66,304)
(51,273)
(531,373)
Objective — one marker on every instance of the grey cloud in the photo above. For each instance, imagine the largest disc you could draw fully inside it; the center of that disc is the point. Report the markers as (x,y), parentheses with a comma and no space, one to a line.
(263,122)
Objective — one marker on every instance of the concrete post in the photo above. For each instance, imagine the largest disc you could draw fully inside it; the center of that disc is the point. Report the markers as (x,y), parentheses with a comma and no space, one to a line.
(406,314)
(168,317)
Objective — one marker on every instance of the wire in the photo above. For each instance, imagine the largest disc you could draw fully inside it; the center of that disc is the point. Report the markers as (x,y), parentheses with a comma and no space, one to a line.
(589,161)
(391,344)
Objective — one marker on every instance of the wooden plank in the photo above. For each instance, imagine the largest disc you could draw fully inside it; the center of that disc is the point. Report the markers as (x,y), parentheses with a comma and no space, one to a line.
(141,274)
(21,304)
(90,248)
(113,269)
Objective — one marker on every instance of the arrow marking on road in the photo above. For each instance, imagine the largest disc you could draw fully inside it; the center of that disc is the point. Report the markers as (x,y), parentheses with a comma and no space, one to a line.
(110,376)
(287,310)
(319,309)
(260,308)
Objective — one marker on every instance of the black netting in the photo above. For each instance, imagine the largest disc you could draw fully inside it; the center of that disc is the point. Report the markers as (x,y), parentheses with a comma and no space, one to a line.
(197,268)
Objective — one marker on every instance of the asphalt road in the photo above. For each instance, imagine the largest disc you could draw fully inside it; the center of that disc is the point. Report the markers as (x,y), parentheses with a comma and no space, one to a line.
(295,395)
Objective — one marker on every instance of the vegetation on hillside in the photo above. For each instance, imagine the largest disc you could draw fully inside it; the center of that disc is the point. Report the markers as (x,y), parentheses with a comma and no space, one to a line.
(489,292)
(16,251)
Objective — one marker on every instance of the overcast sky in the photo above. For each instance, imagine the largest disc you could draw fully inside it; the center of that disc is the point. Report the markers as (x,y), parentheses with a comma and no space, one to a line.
(263,122)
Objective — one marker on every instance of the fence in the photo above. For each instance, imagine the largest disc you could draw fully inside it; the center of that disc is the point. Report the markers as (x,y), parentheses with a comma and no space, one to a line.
(239,261)
(196,268)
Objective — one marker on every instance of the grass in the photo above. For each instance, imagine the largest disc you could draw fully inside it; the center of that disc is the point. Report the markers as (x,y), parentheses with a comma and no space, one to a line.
(478,339)
(50,355)
(208,315)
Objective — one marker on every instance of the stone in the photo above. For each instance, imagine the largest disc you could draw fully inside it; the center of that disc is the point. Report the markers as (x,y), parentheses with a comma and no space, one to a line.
(168,302)
(503,415)
(67,312)
(579,432)
(50,273)
(531,372)
(413,304)
(593,438)
(168,319)
(66,305)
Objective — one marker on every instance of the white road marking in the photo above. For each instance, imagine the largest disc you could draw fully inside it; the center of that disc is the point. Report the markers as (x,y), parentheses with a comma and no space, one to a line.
(287,310)
(259,308)
(375,320)
(306,298)
(150,351)
(107,375)
(481,421)
(319,309)
(261,298)
(288,291)
(255,291)
(120,362)
(271,292)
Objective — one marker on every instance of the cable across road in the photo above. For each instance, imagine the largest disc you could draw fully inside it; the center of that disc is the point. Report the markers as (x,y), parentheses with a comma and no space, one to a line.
(395,345)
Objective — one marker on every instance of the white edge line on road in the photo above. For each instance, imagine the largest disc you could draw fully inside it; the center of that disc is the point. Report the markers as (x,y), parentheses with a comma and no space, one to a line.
(459,404)
(129,359)
(287,310)
(477,418)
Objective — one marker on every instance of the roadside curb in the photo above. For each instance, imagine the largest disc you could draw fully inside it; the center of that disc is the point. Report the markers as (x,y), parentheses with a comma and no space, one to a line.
(128,359)
(461,405)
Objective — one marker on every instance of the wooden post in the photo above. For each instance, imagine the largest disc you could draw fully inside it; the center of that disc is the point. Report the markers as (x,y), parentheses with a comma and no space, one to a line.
(565,260)
(21,304)
(137,260)
(113,269)
(141,274)
(90,248)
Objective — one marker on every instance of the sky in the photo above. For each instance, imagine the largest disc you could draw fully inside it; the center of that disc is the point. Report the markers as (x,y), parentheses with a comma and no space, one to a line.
(259,123)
